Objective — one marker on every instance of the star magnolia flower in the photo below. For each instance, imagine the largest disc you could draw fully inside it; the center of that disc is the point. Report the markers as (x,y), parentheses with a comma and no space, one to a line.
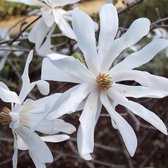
(52,13)
(23,116)
(98,80)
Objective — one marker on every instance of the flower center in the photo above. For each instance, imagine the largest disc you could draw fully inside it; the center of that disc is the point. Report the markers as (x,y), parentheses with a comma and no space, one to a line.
(5,118)
(104,82)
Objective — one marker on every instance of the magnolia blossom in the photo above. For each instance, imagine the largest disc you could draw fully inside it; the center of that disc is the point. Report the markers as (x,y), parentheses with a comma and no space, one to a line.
(98,81)
(24,115)
(52,14)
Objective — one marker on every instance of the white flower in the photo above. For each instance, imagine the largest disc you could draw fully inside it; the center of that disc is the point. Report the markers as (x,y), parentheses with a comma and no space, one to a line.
(24,116)
(98,79)
(52,13)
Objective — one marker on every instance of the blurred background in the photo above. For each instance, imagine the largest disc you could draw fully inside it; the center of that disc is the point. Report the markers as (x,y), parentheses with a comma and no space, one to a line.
(110,152)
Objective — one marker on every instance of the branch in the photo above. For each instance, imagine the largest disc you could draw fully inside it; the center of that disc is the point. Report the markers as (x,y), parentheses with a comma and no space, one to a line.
(10,42)
(129,6)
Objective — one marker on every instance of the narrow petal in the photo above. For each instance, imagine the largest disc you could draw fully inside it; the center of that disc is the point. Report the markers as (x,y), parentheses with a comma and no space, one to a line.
(53,73)
(141,57)
(143,78)
(131,37)
(124,128)
(139,91)
(63,25)
(62,126)
(21,144)
(37,163)
(7,95)
(71,65)
(139,110)
(35,144)
(40,106)
(42,85)
(25,78)
(84,28)
(108,28)
(88,120)
(70,100)
(55,138)
(15,154)
(3,60)
(47,16)
(33,116)
(41,36)
(62,2)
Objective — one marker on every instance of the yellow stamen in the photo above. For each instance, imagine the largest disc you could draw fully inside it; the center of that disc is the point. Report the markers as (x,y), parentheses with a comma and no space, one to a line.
(5,118)
(104,82)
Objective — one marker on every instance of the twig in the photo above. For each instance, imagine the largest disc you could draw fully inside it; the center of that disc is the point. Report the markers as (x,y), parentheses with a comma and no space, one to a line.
(129,6)
(155,24)
(17,37)
(24,29)
(148,158)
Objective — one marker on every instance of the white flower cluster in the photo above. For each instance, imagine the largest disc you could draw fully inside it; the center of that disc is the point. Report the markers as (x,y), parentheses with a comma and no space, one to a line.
(98,81)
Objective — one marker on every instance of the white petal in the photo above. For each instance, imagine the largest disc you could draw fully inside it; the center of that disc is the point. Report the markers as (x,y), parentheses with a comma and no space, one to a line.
(53,73)
(46,46)
(28,2)
(39,122)
(3,60)
(15,154)
(84,29)
(21,144)
(37,163)
(124,128)
(141,57)
(33,115)
(139,91)
(108,28)
(70,100)
(8,96)
(143,78)
(35,144)
(55,138)
(132,36)
(25,78)
(63,25)
(42,85)
(62,2)
(41,36)
(62,126)
(88,121)
(71,65)
(47,16)
(139,110)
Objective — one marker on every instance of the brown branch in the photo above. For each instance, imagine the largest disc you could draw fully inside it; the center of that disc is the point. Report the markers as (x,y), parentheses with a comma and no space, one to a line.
(10,42)
(130,6)
(157,22)
(17,37)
